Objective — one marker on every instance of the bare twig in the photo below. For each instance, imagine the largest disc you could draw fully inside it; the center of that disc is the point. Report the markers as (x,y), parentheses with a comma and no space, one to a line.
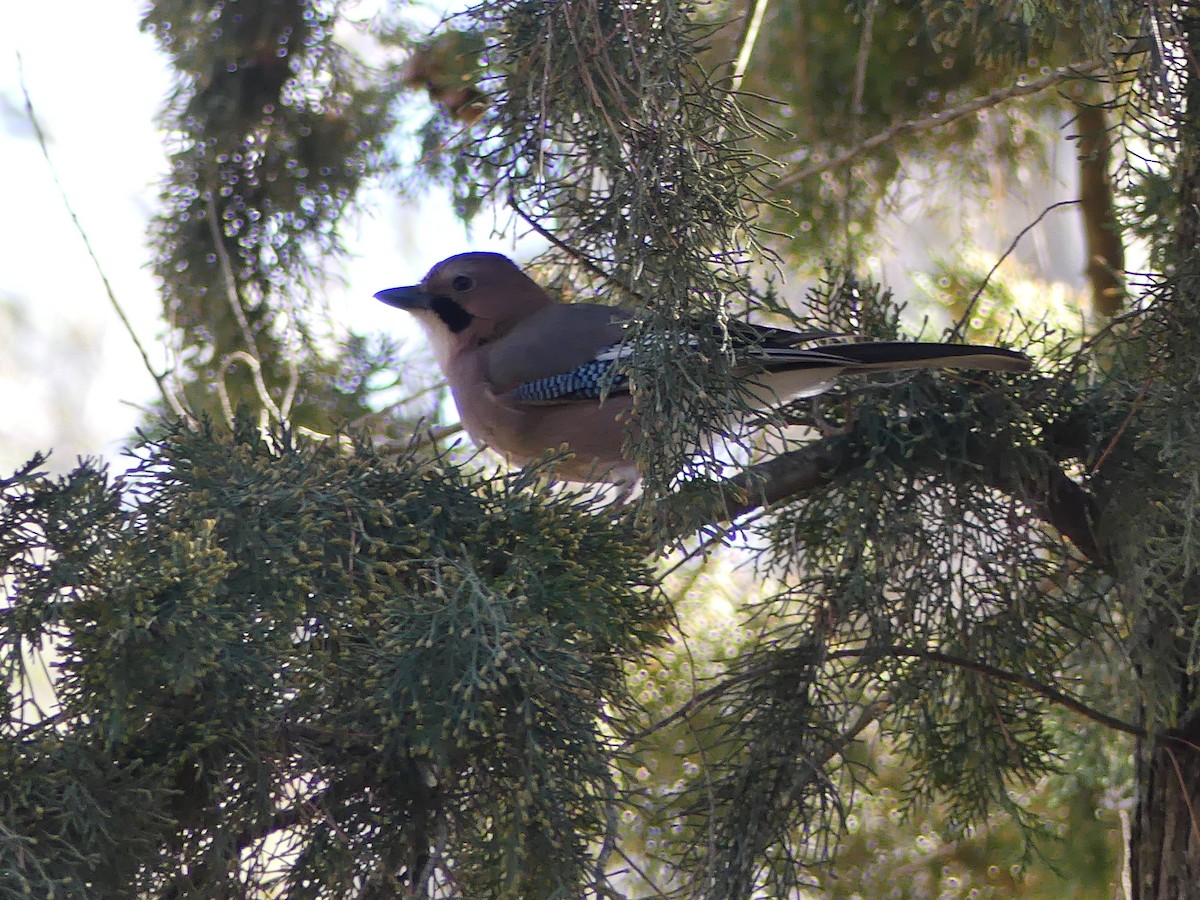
(698,700)
(1184,792)
(374,415)
(222,390)
(231,288)
(421,437)
(1129,417)
(956,331)
(754,20)
(940,120)
(1061,698)
(293,384)
(608,845)
(572,252)
(658,892)
(313,434)
(1054,695)
(864,53)
(172,402)
(436,434)
(260,386)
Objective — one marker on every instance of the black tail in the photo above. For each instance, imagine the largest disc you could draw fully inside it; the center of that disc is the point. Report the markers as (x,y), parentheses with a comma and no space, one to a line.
(885,355)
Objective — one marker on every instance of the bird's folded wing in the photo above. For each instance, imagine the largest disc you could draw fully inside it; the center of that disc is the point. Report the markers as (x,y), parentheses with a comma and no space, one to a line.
(590,345)
(603,373)
(570,353)
(555,341)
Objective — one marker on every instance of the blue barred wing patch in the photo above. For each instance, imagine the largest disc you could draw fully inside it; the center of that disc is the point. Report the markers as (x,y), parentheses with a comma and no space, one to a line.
(582,383)
(605,369)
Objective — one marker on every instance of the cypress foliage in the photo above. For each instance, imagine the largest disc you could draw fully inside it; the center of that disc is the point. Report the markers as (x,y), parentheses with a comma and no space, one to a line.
(260,664)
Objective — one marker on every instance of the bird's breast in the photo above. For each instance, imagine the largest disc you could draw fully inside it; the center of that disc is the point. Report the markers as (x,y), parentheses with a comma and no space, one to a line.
(594,432)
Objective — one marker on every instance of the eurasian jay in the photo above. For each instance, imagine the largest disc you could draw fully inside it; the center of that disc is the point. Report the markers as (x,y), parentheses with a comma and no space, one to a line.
(528,372)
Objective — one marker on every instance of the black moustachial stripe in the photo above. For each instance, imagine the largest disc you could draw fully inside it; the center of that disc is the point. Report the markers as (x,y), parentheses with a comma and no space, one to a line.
(455,317)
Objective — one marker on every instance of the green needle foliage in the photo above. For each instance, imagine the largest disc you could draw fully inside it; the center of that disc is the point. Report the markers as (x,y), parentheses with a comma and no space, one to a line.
(308,668)
(278,666)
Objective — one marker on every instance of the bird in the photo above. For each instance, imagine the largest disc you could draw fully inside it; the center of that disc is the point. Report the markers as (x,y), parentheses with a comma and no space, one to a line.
(530,374)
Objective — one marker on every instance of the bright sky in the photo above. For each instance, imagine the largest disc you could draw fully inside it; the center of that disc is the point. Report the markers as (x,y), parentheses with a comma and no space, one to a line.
(97,83)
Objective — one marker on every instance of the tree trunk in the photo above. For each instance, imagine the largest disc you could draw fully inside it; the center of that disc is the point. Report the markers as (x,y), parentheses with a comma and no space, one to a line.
(1165,842)
(1105,249)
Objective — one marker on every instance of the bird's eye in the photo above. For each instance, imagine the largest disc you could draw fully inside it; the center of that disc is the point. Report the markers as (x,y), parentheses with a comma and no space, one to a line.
(462,283)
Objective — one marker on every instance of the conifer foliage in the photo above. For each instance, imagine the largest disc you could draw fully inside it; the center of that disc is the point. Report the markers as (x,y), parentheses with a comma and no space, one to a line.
(306,670)
(275,661)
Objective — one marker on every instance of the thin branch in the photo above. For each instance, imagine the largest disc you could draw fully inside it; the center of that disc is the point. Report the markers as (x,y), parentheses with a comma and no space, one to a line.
(231,287)
(40,726)
(1061,698)
(260,386)
(299,813)
(1177,38)
(925,862)
(1059,501)
(864,53)
(940,120)
(172,402)
(250,356)
(293,385)
(698,700)
(608,845)
(383,412)
(423,881)
(1098,465)
(754,22)
(435,434)
(223,397)
(640,871)
(566,248)
(957,330)
(428,437)
(1184,792)
(1051,495)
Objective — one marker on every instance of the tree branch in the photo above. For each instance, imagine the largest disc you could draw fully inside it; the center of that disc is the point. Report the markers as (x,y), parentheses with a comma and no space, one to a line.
(941,119)
(860,63)
(753,24)
(1054,695)
(1063,699)
(1101,228)
(787,476)
(173,403)
(1051,495)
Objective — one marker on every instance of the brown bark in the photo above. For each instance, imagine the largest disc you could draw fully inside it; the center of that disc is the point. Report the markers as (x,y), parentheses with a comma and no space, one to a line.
(1105,251)
(1051,495)
(1165,842)
(1187,163)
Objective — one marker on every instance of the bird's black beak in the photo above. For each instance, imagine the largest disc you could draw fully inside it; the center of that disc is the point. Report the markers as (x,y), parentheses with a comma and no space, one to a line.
(411,297)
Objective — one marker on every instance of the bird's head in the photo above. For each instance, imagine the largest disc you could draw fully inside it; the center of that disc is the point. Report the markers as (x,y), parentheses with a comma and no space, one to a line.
(468,300)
